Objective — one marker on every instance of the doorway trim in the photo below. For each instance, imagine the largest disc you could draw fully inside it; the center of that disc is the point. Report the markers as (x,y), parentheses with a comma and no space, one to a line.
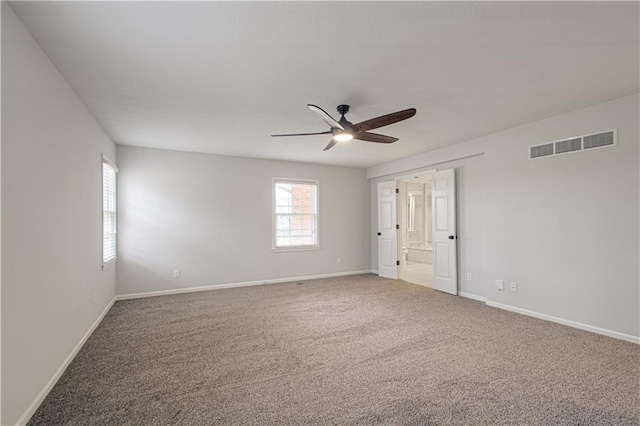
(411,175)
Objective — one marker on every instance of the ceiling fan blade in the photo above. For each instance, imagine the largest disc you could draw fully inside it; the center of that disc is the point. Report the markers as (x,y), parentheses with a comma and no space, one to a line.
(374,137)
(331,145)
(325,117)
(304,134)
(385,120)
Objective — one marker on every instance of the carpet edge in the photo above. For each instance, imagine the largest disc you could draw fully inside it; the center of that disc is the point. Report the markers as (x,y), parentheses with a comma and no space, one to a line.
(574,324)
(168,292)
(40,397)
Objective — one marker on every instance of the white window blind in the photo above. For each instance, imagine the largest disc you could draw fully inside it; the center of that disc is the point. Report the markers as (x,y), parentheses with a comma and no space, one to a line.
(296,214)
(109,212)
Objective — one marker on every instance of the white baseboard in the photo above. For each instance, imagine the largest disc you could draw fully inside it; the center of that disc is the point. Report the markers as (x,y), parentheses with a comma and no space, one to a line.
(574,324)
(31,409)
(234,285)
(473,296)
(374,272)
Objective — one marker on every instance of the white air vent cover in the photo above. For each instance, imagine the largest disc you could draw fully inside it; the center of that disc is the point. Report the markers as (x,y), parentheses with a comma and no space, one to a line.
(575,144)
(601,139)
(541,150)
(569,145)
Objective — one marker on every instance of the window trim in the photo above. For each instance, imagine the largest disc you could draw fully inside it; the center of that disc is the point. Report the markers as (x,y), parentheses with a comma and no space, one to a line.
(310,247)
(107,160)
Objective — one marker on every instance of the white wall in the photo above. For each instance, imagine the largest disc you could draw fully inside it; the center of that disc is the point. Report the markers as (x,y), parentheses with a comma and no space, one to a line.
(210,216)
(51,219)
(564,228)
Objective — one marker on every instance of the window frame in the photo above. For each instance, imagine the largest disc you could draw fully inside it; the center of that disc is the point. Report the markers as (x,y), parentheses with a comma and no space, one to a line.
(310,247)
(107,161)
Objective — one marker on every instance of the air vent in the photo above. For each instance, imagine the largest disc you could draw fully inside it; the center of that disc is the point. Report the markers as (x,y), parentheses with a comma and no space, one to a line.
(601,139)
(541,150)
(569,145)
(575,144)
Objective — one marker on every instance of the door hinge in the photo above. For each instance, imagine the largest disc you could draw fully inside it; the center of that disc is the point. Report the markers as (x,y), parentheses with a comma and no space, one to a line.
(397,263)
(397,226)
(397,190)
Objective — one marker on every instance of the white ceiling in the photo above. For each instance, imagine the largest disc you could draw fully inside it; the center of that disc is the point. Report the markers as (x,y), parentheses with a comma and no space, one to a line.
(221,77)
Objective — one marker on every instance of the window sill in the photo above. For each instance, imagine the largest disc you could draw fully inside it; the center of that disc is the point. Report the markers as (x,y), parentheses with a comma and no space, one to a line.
(109,263)
(295,248)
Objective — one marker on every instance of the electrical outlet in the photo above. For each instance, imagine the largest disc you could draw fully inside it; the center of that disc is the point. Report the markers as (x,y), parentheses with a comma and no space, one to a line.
(514,286)
(339,260)
(468,276)
(500,285)
(95,298)
(176,273)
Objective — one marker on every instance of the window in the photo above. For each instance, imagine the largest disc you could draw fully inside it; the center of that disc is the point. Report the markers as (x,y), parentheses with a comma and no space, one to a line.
(295,219)
(108,212)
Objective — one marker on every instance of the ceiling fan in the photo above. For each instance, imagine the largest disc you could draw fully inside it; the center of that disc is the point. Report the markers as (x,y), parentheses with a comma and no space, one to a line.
(343,130)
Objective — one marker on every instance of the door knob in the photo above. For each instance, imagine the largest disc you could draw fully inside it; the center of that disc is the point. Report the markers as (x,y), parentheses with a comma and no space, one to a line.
(379,233)
(451,237)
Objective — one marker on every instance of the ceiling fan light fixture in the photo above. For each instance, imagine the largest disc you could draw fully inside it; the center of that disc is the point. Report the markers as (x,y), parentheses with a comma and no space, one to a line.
(343,137)
(344,131)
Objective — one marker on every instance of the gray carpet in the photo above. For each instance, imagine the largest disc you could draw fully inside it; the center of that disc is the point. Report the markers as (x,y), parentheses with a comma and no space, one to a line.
(354,350)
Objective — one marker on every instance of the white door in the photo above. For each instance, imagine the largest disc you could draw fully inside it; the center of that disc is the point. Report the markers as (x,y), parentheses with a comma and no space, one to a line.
(387,233)
(443,204)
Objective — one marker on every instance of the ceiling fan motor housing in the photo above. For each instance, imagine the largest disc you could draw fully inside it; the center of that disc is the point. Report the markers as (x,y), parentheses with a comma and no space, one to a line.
(348,126)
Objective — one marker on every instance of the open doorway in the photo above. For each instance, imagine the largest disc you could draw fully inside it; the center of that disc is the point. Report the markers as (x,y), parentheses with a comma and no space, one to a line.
(417,229)
(415,240)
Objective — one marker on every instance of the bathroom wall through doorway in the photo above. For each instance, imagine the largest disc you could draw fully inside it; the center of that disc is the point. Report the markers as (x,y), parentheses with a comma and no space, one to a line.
(415,244)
